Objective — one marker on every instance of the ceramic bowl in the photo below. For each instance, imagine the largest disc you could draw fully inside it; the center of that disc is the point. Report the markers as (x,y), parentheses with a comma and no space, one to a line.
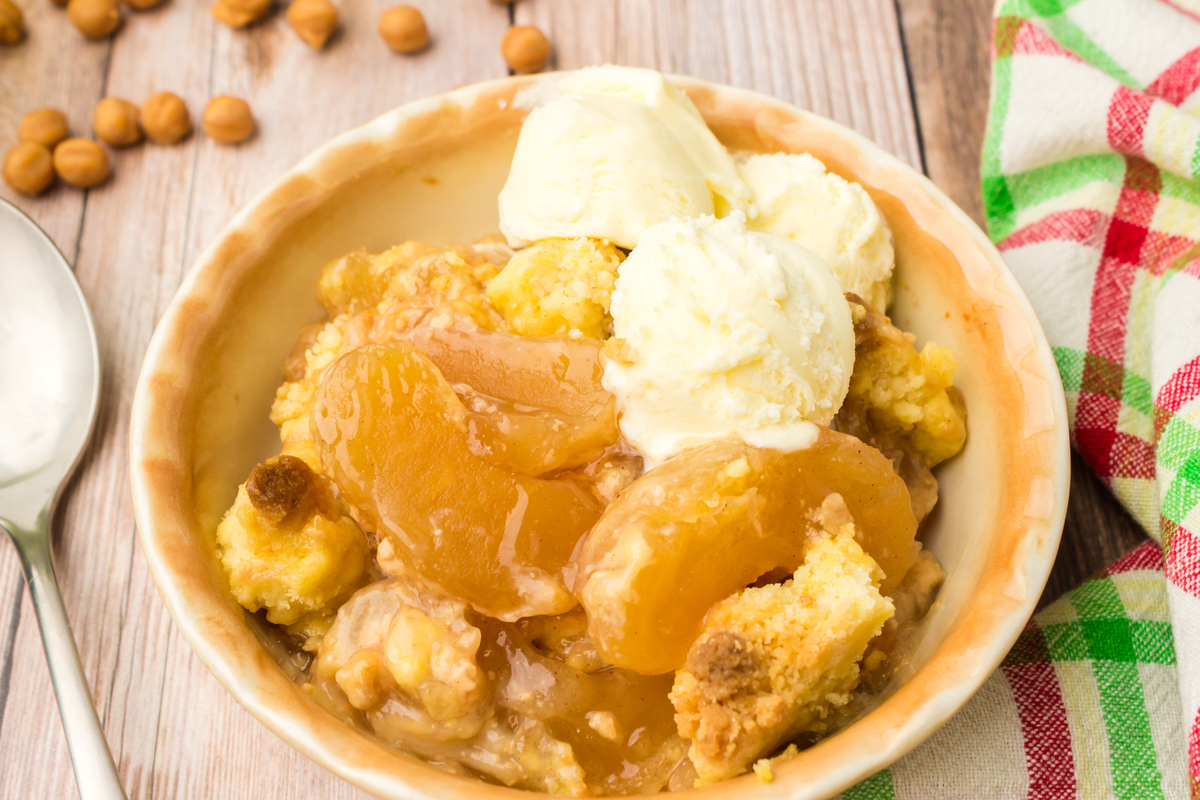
(431,170)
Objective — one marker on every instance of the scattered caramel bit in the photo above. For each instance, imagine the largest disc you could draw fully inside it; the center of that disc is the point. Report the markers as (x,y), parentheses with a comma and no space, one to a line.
(165,118)
(282,487)
(12,23)
(403,29)
(239,13)
(28,167)
(116,122)
(313,20)
(228,119)
(525,48)
(81,162)
(95,19)
(44,126)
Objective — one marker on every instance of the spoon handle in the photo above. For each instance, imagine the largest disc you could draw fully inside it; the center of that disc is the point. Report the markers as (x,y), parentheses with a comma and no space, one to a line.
(95,772)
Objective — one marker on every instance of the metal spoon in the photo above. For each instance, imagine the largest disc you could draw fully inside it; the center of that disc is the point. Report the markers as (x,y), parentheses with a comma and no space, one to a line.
(49,386)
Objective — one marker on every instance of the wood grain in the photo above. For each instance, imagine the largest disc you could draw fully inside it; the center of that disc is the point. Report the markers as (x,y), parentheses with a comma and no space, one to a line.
(175,731)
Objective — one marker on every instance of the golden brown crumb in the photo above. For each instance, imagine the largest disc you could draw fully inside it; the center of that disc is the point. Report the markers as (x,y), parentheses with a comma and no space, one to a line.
(313,20)
(12,22)
(143,5)
(403,29)
(726,666)
(81,162)
(763,767)
(293,549)
(773,660)
(95,19)
(228,119)
(902,403)
(45,126)
(903,391)
(29,168)
(525,48)
(164,118)
(116,122)
(282,487)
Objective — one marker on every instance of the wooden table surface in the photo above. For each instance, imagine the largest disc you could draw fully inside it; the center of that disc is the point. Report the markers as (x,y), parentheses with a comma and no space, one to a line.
(910,74)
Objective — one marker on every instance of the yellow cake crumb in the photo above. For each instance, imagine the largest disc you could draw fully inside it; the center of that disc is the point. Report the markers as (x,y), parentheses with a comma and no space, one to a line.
(773,660)
(416,271)
(762,767)
(903,391)
(557,286)
(290,548)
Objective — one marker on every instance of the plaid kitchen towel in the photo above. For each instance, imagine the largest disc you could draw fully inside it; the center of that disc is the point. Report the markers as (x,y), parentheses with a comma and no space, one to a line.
(1091,182)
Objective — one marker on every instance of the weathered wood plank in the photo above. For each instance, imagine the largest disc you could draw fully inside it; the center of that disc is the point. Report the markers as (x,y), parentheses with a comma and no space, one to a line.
(54,66)
(948,45)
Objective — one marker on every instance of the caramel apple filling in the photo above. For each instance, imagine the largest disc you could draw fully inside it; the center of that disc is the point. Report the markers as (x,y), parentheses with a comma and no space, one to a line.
(491,580)
(394,436)
(710,522)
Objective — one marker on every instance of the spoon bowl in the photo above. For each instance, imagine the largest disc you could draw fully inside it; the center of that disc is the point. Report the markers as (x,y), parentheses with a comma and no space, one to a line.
(49,391)
(49,369)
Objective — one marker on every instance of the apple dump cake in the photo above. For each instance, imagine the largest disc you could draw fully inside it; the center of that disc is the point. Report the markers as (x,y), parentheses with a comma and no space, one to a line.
(624,500)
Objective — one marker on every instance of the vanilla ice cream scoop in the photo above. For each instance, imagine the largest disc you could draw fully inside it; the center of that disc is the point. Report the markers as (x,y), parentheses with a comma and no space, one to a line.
(613,151)
(722,331)
(796,197)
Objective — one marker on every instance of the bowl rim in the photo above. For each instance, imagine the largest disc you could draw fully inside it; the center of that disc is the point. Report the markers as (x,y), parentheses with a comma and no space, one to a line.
(372,766)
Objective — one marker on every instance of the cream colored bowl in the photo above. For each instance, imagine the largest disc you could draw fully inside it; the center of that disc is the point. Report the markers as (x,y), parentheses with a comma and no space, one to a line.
(431,170)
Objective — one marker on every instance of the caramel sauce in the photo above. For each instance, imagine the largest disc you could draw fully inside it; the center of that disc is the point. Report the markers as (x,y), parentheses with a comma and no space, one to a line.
(620,725)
